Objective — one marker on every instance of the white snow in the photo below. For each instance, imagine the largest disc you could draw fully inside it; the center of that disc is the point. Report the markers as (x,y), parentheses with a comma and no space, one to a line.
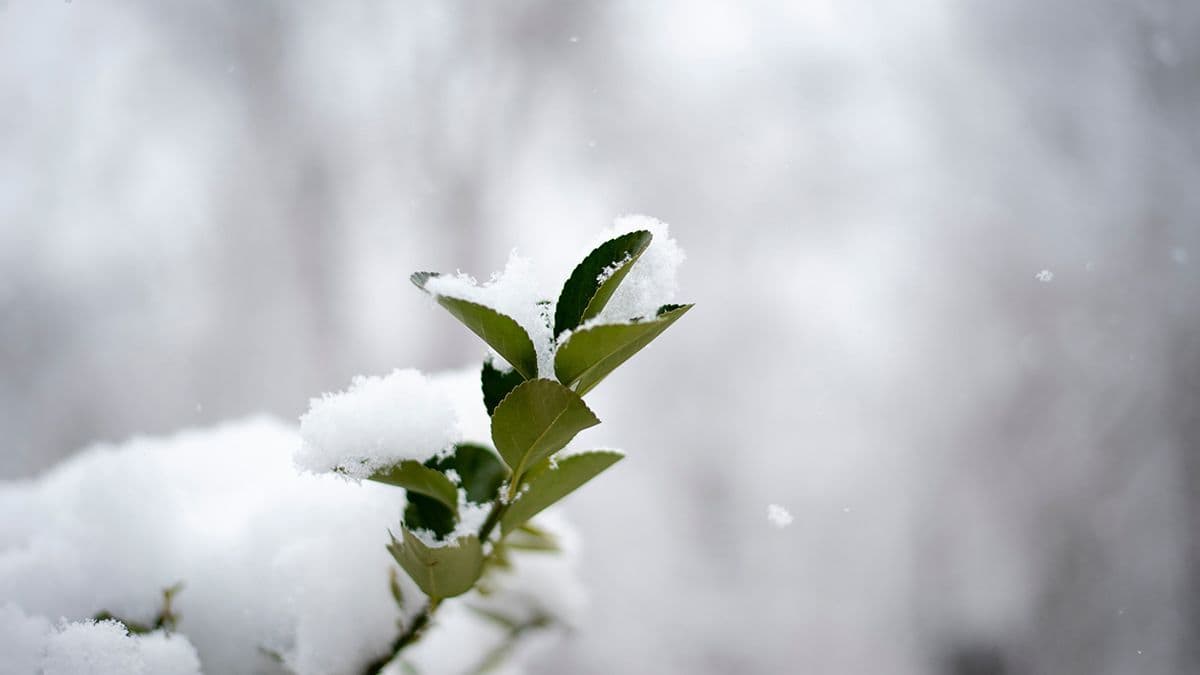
(30,646)
(105,648)
(377,422)
(651,282)
(1045,276)
(515,293)
(273,560)
(778,516)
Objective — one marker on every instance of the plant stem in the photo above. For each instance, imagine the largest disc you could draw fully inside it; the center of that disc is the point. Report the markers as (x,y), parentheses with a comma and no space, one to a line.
(493,517)
(414,632)
(417,628)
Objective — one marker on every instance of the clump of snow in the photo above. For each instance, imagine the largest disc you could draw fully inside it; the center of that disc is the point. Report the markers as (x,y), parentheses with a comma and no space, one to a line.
(651,282)
(519,293)
(376,423)
(22,641)
(461,388)
(274,561)
(516,293)
(29,646)
(1045,276)
(778,516)
(106,648)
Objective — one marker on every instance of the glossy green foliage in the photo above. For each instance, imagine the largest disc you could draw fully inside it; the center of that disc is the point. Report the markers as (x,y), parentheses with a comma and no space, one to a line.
(550,481)
(416,477)
(427,513)
(537,420)
(589,355)
(480,469)
(501,332)
(597,276)
(442,571)
(496,384)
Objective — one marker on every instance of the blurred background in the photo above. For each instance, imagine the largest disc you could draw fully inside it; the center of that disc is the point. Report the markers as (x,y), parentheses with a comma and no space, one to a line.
(211,209)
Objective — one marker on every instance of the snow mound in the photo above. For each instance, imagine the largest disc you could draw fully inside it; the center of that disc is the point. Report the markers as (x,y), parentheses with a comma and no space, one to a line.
(276,564)
(376,423)
(652,281)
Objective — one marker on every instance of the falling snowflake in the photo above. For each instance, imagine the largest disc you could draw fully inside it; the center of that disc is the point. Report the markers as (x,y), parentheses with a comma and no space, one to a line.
(778,516)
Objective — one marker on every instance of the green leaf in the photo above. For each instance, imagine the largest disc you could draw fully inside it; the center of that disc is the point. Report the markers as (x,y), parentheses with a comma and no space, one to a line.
(419,278)
(416,477)
(589,355)
(530,538)
(426,513)
(495,617)
(394,587)
(442,571)
(537,420)
(584,294)
(480,469)
(547,484)
(500,331)
(496,384)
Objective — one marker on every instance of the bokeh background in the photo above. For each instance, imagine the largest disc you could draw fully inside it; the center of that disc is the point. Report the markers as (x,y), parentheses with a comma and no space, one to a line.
(211,209)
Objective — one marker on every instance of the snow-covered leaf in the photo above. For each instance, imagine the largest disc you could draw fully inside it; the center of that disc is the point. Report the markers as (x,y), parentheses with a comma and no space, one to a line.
(427,513)
(479,468)
(416,477)
(499,331)
(439,571)
(589,355)
(537,420)
(593,281)
(550,481)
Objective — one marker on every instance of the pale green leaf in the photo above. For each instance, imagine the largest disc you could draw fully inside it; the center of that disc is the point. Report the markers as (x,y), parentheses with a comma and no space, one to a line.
(442,571)
(536,420)
(589,355)
(416,477)
(500,331)
(550,481)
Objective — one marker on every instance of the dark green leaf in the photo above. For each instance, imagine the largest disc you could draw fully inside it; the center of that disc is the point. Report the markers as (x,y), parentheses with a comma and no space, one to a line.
(419,278)
(589,355)
(500,331)
(443,571)
(496,384)
(584,295)
(480,469)
(537,420)
(547,485)
(416,477)
(426,513)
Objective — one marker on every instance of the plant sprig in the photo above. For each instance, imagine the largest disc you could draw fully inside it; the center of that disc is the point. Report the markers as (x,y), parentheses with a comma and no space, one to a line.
(532,419)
